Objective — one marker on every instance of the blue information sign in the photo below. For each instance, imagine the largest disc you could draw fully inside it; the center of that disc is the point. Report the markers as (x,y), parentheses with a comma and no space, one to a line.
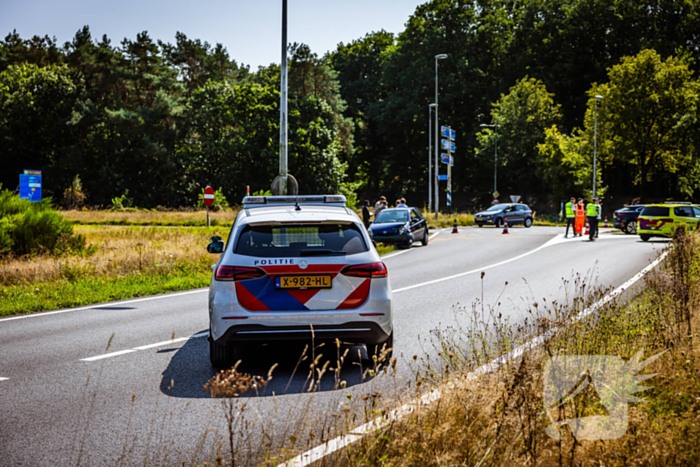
(442,178)
(445,144)
(30,185)
(452,160)
(453,134)
(445,158)
(453,147)
(445,131)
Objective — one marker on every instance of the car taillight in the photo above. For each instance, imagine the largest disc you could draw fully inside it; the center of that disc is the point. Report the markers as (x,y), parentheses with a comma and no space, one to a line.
(238,273)
(371,270)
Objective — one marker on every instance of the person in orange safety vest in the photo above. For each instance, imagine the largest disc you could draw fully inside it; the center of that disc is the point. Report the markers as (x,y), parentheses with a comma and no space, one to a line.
(580,218)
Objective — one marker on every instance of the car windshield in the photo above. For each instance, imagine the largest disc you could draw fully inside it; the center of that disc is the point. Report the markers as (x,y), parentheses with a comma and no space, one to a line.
(630,209)
(497,207)
(392,215)
(296,240)
(655,211)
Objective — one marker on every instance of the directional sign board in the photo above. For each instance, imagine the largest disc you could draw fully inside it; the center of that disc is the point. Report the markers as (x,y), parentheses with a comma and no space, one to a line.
(442,178)
(453,148)
(445,131)
(452,160)
(445,158)
(30,185)
(453,134)
(208,196)
(446,145)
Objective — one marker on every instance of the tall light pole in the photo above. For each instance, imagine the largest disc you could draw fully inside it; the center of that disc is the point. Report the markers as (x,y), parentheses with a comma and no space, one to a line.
(437,137)
(495,156)
(283,105)
(430,155)
(595,138)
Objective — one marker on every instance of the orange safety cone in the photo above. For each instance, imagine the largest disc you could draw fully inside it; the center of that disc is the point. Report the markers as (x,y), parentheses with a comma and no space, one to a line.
(505,226)
(606,222)
(588,232)
(454,227)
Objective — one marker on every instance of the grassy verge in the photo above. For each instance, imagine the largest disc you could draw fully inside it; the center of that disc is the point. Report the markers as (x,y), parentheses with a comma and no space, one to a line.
(145,217)
(501,418)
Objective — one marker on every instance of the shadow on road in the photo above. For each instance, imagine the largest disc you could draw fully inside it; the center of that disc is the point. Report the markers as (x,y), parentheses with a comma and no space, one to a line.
(190,369)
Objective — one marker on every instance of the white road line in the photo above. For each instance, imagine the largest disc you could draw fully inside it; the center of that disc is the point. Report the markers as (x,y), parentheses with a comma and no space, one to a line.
(103,305)
(340,442)
(554,241)
(145,347)
(3,379)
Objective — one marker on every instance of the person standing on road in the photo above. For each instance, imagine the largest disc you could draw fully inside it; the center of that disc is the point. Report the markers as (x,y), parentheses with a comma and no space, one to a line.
(592,215)
(570,217)
(600,212)
(365,214)
(379,205)
(580,217)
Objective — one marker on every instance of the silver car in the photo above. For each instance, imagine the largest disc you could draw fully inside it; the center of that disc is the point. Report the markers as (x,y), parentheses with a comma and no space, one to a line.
(294,266)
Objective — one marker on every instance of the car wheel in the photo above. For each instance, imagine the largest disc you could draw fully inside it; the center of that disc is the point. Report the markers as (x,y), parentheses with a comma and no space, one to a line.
(528,222)
(499,222)
(645,238)
(426,238)
(375,350)
(220,356)
(631,228)
(480,225)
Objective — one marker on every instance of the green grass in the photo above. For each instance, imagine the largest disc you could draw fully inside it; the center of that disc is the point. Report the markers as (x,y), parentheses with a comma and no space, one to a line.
(62,293)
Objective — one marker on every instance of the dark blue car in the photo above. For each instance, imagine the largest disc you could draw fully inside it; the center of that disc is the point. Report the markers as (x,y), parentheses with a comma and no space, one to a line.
(495,215)
(400,226)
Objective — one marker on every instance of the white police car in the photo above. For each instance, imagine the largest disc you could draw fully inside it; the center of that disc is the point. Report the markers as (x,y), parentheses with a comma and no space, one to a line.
(293,266)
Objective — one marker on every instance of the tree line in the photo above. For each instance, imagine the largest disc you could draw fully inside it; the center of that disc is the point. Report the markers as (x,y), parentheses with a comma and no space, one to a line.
(159,121)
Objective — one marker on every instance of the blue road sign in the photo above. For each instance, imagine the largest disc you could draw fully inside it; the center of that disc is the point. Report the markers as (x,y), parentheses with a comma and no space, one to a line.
(442,178)
(30,186)
(445,131)
(452,160)
(449,198)
(452,147)
(445,158)
(453,134)
(445,144)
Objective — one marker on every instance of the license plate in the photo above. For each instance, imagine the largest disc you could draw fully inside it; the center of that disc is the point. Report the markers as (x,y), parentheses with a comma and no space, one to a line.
(479,219)
(303,282)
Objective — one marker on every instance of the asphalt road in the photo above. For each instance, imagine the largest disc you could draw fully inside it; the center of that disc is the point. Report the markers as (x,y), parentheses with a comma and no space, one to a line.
(108,385)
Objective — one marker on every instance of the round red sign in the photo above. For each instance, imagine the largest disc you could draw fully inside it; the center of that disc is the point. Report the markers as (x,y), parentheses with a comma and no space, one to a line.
(208,196)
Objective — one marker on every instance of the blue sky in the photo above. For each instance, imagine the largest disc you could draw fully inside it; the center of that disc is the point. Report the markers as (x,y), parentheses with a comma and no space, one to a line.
(250,30)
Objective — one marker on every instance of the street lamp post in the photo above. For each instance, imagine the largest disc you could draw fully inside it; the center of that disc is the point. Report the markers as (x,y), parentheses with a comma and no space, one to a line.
(595,138)
(283,105)
(495,156)
(430,155)
(437,138)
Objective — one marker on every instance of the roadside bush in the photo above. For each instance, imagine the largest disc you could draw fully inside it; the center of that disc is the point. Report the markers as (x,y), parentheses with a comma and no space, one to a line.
(30,228)
(74,197)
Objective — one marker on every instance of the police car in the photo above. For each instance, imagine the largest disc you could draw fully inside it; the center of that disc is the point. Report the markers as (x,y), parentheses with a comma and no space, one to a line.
(293,267)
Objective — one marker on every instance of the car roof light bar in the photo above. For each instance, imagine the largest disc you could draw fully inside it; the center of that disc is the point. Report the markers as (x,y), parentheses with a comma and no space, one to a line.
(260,201)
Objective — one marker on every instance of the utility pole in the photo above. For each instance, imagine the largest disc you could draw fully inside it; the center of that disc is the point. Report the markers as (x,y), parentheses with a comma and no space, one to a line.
(283,105)
(437,130)
(595,139)
(430,155)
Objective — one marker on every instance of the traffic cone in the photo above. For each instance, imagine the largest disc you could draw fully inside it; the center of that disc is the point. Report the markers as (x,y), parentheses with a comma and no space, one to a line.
(588,231)
(606,222)
(505,226)
(454,227)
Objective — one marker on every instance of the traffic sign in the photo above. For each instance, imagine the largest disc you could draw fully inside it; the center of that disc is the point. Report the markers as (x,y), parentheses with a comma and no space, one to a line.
(442,178)
(445,144)
(449,198)
(208,196)
(453,134)
(445,131)
(445,158)
(452,160)
(30,185)
(453,148)
(515,198)
(495,194)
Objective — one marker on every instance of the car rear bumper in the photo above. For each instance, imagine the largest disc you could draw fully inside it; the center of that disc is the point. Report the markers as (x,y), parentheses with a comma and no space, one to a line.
(654,233)
(357,332)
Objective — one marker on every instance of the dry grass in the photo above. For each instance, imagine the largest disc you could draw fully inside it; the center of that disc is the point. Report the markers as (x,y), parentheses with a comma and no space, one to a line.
(500,418)
(117,251)
(148,217)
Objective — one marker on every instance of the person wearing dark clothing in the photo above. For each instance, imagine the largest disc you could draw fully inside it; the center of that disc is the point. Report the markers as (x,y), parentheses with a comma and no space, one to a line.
(592,214)
(570,209)
(365,214)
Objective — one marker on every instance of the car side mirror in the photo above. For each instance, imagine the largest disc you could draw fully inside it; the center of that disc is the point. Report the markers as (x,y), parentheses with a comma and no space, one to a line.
(216,246)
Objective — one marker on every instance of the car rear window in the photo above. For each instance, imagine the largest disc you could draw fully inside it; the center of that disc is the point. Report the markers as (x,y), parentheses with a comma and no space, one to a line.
(297,240)
(655,211)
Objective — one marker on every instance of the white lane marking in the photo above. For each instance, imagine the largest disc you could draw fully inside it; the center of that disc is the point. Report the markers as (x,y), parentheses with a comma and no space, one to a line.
(146,347)
(554,241)
(3,379)
(397,253)
(319,452)
(103,305)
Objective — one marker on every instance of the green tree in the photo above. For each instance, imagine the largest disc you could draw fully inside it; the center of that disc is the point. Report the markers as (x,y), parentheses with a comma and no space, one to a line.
(647,119)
